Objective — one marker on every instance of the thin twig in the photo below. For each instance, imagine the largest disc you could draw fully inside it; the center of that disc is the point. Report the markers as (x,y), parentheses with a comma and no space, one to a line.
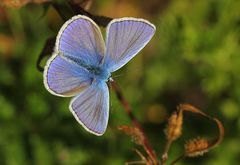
(165,153)
(62,11)
(100,20)
(177,159)
(46,51)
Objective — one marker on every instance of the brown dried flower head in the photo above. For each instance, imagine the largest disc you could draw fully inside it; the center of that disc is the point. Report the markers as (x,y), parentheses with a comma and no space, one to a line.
(19,3)
(174,128)
(134,132)
(196,147)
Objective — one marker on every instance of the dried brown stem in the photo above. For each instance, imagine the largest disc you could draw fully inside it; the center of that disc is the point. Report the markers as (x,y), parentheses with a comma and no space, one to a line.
(100,20)
(135,122)
(165,153)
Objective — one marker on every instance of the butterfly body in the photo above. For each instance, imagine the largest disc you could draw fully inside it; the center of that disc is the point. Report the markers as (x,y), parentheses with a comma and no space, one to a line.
(82,64)
(99,73)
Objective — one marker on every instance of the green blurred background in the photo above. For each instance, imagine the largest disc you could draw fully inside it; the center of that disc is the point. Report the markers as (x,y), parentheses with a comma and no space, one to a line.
(193,58)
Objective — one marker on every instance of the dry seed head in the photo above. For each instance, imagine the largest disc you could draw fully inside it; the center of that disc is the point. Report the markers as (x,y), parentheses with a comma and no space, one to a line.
(135,133)
(196,147)
(174,128)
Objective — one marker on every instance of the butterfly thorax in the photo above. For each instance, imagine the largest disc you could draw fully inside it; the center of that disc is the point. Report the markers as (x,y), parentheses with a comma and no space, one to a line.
(100,73)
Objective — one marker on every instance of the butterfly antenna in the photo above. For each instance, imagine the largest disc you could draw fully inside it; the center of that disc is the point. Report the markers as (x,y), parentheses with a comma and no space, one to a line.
(119,75)
(123,74)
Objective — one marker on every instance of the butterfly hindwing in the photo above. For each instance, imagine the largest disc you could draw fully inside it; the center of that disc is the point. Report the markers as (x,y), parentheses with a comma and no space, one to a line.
(63,78)
(125,38)
(91,108)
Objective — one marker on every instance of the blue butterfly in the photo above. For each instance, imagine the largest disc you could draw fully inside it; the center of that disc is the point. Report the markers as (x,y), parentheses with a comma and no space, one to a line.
(82,64)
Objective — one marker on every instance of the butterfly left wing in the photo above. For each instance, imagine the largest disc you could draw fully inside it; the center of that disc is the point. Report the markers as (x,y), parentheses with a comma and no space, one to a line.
(125,38)
(91,108)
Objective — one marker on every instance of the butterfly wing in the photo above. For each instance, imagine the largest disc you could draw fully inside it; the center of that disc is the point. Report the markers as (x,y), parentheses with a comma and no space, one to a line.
(63,78)
(125,38)
(91,108)
(81,39)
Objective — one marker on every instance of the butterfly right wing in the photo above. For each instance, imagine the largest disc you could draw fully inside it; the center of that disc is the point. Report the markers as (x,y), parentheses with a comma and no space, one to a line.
(91,108)
(125,38)
(64,78)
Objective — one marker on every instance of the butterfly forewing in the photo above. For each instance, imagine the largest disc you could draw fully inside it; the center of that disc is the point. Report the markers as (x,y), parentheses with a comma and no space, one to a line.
(80,38)
(91,108)
(125,38)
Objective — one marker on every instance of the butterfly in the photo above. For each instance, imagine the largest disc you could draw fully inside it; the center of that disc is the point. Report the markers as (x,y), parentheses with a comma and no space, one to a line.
(82,63)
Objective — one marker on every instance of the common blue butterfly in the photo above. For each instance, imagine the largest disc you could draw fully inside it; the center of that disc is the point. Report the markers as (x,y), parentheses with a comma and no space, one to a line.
(82,64)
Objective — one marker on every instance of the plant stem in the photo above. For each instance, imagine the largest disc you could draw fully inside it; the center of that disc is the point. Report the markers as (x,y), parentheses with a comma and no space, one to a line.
(177,159)
(165,153)
(135,122)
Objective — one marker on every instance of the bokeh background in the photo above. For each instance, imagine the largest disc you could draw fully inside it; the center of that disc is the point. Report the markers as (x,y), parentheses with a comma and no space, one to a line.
(193,58)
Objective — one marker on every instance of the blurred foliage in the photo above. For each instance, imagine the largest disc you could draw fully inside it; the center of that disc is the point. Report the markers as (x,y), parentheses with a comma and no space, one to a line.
(194,57)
